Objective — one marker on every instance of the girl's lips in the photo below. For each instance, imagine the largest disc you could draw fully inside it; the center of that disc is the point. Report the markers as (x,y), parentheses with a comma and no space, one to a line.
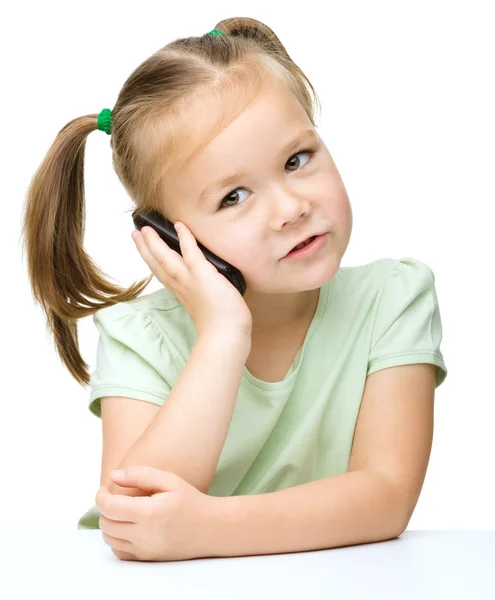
(308,250)
(304,240)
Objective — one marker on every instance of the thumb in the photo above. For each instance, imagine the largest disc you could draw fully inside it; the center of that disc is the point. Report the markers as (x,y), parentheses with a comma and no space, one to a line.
(147,479)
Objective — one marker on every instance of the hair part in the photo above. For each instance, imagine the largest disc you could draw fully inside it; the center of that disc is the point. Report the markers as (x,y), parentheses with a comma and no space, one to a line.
(159,110)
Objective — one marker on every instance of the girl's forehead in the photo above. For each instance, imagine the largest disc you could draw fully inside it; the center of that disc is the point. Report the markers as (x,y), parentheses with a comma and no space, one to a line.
(251,116)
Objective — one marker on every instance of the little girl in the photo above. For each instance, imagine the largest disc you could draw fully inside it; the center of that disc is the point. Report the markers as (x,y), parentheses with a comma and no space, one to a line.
(266,386)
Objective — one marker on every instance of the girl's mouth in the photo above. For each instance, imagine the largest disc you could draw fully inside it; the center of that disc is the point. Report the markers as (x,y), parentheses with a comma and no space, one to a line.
(307,248)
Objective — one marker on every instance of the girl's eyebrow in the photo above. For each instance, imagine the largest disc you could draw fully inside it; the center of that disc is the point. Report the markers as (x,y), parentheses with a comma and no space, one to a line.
(305,134)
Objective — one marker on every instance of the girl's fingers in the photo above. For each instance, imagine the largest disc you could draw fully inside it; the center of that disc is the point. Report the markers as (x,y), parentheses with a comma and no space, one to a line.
(184,236)
(161,259)
(191,252)
(144,251)
(124,555)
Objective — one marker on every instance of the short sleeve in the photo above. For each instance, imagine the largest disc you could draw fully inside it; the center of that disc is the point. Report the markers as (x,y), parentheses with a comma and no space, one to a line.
(408,327)
(132,357)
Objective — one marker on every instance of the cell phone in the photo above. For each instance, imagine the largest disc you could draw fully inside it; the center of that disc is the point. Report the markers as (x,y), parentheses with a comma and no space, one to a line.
(167,233)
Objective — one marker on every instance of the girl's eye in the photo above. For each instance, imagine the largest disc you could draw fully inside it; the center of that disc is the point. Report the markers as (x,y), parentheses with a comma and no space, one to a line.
(310,152)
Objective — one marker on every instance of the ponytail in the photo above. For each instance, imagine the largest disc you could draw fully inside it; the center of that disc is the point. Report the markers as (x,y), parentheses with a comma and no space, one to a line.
(64,279)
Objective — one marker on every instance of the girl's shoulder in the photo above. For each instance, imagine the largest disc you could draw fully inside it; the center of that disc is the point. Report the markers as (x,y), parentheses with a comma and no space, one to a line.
(364,277)
(156,317)
(376,273)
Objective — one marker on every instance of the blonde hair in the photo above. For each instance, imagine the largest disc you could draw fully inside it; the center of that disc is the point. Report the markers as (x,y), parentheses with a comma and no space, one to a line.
(152,122)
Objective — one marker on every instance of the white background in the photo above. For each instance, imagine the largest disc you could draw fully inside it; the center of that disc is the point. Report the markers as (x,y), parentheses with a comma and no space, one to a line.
(408,114)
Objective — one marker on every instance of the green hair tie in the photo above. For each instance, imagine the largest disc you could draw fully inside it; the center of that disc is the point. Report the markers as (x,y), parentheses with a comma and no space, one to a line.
(216,32)
(105,120)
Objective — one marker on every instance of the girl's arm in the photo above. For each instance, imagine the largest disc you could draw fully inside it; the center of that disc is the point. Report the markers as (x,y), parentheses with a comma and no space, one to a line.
(188,433)
(356,507)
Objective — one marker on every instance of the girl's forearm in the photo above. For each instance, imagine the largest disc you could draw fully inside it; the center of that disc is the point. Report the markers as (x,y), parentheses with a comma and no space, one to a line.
(188,433)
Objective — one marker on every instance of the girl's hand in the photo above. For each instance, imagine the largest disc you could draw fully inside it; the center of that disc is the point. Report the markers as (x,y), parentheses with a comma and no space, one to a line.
(213,303)
(175,522)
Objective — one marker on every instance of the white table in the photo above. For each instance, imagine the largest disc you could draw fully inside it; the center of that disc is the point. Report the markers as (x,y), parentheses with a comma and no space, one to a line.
(419,565)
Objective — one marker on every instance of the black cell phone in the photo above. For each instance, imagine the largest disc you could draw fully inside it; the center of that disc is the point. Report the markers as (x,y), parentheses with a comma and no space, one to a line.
(167,233)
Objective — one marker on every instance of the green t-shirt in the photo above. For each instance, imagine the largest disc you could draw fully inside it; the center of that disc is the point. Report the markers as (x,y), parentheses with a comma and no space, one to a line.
(301,428)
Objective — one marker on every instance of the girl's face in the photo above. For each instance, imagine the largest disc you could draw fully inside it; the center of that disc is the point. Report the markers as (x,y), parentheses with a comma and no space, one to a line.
(278,193)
